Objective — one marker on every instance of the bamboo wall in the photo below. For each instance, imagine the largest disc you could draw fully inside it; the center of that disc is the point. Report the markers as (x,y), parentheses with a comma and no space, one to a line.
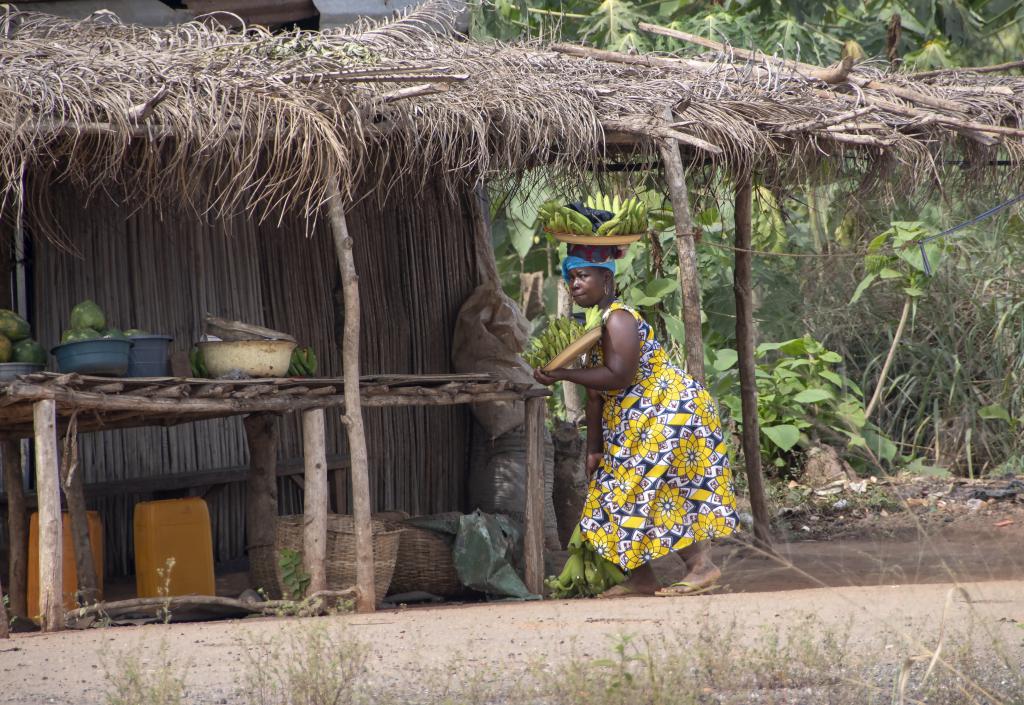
(162,271)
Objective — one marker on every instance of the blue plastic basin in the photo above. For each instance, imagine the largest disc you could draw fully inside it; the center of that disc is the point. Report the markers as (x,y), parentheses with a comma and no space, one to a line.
(103,356)
(149,356)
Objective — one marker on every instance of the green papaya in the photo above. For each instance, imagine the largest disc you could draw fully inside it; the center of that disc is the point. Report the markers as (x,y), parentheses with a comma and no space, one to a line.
(12,326)
(134,333)
(28,351)
(74,335)
(114,333)
(88,315)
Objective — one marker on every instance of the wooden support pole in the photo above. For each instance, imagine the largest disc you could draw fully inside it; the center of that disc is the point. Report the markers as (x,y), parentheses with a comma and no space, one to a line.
(262,433)
(353,417)
(17,530)
(743,290)
(317,500)
(74,492)
(51,599)
(686,249)
(533,534)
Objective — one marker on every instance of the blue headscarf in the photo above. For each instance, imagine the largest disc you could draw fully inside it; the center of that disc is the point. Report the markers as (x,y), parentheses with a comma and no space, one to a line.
(572,262)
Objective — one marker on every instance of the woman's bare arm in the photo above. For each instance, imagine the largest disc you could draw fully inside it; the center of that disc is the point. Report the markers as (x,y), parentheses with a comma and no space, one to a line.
(621,344)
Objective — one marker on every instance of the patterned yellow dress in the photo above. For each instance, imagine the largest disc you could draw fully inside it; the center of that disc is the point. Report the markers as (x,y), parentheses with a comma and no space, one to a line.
(664,481)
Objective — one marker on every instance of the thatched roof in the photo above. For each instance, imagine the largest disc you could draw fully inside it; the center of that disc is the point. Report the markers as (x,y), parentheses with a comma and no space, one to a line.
(247,119)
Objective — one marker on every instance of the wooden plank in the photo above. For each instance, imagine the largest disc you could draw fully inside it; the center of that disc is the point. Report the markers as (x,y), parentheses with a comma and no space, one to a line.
(743,291)
(317,500)
(262,433)
(533,534)
(686,249)
(17,530)
(353,418)
(51,602)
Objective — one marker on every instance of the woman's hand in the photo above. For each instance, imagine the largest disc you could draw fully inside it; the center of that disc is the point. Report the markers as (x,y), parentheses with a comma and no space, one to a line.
(545,378)
(593,463)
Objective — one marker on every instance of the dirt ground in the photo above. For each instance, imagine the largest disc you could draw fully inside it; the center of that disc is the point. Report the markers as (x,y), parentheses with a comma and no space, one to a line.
(886,578)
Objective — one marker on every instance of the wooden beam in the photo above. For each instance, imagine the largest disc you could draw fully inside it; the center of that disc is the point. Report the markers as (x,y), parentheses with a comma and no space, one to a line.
(353,417)
(533,533)
(743,290)
(74,492)
(262,434)
(17,530)
(316,500)
(51,598)
(686,249)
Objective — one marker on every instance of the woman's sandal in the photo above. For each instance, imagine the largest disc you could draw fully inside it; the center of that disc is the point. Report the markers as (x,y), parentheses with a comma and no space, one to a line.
(685,589)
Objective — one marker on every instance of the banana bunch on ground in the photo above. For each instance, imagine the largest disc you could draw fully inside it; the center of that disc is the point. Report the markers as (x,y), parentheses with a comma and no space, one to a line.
(561,219)
(555,338)
(585,573)
(303,363)
(630,216)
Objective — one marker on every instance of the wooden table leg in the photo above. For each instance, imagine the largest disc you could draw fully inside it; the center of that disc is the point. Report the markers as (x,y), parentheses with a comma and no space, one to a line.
(17,530)
(51,544)
(533,539)
(263,435)
(317,499)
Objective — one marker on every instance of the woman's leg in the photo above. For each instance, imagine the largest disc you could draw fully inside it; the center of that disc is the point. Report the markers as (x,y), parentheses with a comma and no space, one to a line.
(641,581)
(702,571)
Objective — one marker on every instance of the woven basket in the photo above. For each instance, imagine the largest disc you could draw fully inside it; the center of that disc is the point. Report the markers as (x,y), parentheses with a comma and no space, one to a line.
(341,554)
(424,563)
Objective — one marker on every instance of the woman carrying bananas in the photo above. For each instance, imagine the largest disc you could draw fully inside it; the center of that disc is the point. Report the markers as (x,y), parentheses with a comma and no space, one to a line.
(659,471)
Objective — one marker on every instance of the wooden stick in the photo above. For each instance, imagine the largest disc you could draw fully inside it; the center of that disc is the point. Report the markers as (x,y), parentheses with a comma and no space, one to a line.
(317,499)
(262,433)
(533,532)
(817,124)
(686,249)
(655,131)
(17,530)
(832,75)
(995,68)
(742,288)
(51,543)
(353,418)
(74,492)
(84,617)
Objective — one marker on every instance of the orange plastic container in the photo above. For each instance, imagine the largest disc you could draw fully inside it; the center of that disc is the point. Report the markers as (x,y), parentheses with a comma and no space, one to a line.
(69,572)
(175,530)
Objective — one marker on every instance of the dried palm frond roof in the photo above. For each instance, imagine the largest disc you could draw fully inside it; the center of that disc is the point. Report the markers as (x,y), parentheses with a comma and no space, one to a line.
(231,120)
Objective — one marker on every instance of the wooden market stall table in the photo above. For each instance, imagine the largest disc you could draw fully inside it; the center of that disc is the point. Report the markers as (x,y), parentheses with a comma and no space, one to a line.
(53,408)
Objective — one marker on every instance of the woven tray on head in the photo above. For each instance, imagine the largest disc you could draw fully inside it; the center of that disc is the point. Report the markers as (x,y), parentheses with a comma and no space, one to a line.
(424,563)
(341,554)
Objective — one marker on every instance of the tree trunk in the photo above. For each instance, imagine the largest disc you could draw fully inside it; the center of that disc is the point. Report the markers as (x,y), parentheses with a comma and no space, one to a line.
(353,417)
(51,543)
(5,631)
(17,530)
(745,350)
(686,248)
